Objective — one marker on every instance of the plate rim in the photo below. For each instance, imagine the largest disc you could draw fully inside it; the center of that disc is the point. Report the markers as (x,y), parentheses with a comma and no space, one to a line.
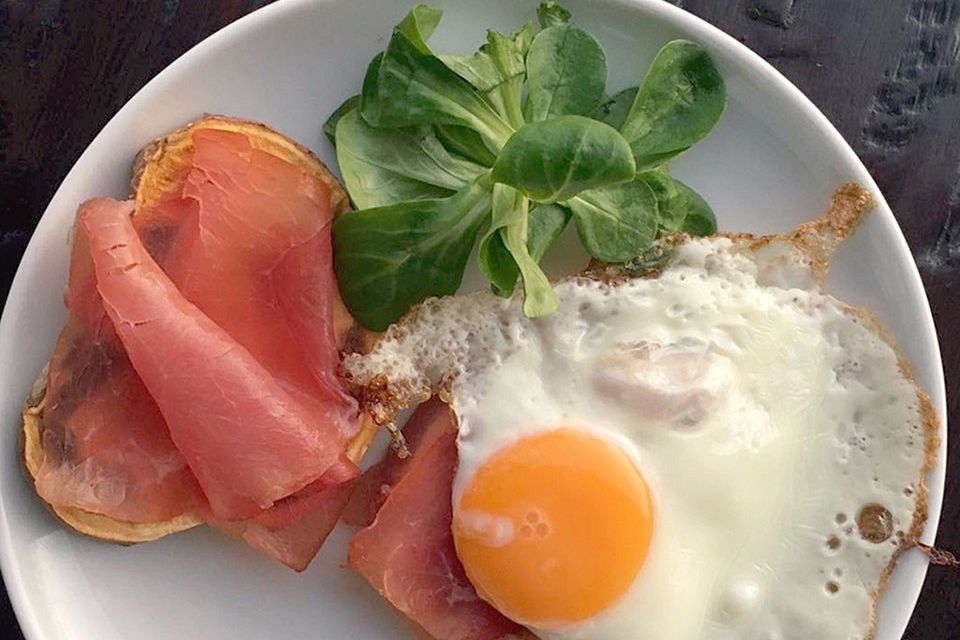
(662,10)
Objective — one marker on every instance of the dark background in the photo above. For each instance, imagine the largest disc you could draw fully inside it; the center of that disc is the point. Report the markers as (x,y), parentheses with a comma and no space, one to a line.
(886,72)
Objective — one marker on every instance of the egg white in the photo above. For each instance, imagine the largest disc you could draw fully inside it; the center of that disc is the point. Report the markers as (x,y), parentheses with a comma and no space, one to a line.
(797,416)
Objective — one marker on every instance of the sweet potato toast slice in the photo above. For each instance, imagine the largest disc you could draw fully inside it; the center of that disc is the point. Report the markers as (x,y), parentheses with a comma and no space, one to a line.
(159,168)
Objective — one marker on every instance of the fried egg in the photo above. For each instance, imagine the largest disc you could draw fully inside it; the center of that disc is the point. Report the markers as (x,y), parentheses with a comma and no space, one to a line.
(717,449)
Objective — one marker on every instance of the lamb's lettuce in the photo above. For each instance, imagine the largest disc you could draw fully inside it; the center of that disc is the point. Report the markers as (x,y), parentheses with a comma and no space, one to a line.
(509,143)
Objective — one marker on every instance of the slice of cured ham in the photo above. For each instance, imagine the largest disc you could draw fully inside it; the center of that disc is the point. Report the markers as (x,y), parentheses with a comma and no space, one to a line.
(293,530)
(429,420)
(408,554)
(247,240)
(106,447)
(249,442)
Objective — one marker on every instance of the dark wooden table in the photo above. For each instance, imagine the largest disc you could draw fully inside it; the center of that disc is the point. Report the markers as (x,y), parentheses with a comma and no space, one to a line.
(886,72)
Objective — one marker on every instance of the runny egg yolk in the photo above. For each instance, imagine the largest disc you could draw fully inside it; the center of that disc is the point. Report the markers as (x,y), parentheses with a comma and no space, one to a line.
(554,528)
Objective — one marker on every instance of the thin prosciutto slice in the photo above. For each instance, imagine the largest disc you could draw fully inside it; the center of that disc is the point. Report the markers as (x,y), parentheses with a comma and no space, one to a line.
(248,441)
(408,554)
(293,530)
(248,242)
(106,446)
(430,420)
(246,238)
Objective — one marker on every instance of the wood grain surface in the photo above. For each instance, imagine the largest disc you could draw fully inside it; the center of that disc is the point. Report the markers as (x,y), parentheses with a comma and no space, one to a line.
(886,72)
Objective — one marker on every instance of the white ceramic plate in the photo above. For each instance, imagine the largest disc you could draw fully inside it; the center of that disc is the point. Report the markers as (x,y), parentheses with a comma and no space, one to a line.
(771,163)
